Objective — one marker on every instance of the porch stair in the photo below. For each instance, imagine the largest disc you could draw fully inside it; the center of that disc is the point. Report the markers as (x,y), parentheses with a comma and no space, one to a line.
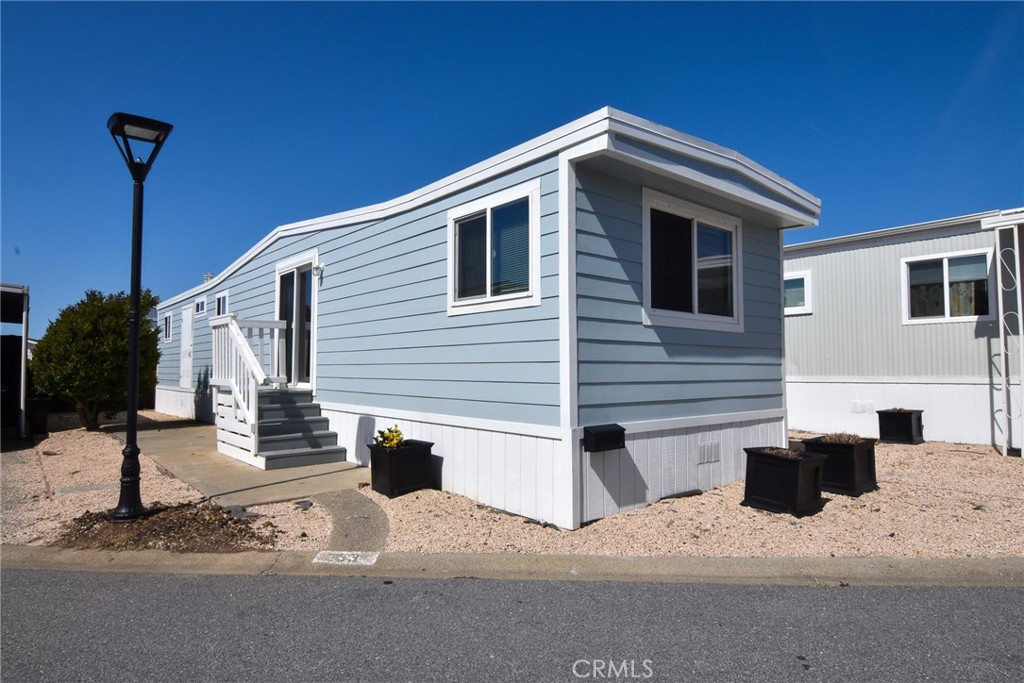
(290,431)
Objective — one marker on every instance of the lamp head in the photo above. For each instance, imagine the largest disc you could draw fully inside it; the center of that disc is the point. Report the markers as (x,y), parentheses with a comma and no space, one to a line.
(149,132)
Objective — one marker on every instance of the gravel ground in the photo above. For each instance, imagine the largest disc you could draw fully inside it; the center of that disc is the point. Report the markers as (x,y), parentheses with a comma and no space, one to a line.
(72,471)
(935,500)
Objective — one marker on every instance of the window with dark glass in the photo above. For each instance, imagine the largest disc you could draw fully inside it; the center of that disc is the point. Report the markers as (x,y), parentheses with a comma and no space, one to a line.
(949,287)
(681,282)
(492,252)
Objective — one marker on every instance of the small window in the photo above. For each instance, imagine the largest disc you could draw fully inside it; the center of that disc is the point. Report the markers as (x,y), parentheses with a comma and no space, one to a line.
(221,303)
(691,265)
(200,307)
(494,252)
(797,293)
(947,288)
(167,327)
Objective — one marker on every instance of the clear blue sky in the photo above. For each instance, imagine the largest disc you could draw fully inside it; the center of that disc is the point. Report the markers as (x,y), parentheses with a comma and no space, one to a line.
(890,113)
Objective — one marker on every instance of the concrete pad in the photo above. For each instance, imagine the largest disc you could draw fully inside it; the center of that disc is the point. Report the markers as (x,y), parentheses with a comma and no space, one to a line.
(188,450)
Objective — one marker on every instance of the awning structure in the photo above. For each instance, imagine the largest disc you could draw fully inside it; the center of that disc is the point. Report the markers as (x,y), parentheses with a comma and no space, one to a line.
(14,310)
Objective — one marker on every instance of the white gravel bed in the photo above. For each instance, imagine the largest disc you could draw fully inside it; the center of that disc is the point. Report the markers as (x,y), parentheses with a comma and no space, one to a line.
(934,500)
(73,471)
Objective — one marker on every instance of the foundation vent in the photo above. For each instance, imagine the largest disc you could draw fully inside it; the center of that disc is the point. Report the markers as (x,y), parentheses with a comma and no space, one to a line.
(709,452)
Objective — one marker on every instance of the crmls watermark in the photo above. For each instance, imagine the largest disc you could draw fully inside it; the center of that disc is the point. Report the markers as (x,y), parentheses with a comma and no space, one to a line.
(610,668)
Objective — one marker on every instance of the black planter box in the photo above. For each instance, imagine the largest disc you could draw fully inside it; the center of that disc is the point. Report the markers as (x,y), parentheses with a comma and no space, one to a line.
(900,426)
(780,484)
(395,471)
(849,467)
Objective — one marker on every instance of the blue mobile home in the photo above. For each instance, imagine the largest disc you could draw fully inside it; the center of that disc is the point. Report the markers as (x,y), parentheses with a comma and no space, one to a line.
(612,271)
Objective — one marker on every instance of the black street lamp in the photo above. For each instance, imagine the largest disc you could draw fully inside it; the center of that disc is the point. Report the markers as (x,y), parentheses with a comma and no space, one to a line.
(151,134)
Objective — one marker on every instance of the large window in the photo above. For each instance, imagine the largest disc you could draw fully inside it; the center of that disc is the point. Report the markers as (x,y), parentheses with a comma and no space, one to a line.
(947,288)
(797,293)
(494,244)
(691,265)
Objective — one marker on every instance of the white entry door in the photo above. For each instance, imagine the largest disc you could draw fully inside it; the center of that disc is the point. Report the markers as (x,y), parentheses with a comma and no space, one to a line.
(185,367)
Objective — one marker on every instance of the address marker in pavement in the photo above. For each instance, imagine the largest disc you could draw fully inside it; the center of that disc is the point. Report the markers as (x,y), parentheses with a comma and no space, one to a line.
(342,557)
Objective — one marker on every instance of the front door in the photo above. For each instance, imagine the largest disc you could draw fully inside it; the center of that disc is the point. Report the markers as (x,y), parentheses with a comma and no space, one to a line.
(295,308)
(185,366)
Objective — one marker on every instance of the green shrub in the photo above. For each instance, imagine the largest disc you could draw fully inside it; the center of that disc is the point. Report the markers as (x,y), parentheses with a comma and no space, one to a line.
(84,354)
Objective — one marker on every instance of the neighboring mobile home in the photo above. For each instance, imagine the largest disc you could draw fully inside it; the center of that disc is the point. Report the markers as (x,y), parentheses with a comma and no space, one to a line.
(920,317)
(612,271)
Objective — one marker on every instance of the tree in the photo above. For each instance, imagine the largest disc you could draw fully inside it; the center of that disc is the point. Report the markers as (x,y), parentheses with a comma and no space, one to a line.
(84,354)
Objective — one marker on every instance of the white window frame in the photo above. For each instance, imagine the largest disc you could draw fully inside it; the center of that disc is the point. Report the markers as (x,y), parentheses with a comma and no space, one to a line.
(168,327)
(199,307)
(529,190)
(652,199)
(218,297)
(312,259)
(807,308)
(945,257)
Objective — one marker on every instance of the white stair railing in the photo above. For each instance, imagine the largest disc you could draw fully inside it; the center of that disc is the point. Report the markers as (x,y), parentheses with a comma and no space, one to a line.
(243,362)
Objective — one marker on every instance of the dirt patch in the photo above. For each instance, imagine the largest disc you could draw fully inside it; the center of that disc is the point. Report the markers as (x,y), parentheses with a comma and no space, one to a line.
(50,484)
(188,528)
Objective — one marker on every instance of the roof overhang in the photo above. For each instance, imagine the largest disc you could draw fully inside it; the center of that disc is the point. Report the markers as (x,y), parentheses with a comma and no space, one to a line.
(937,228)
(614,137)
(13,303)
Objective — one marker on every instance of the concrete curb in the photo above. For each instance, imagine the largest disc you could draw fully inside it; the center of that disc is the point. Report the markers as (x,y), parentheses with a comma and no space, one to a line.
(818,572)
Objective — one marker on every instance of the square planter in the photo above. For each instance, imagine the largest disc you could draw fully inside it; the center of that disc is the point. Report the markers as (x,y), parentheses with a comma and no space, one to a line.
(900,426)
(849,467)
(780,484)
(395,471)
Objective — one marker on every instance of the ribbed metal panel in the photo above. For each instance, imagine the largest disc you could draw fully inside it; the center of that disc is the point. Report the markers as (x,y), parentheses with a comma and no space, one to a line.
(856,328)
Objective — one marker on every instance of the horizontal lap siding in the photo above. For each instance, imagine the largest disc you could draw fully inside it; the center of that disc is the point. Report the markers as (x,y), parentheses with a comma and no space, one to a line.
(629,372)
(385,337)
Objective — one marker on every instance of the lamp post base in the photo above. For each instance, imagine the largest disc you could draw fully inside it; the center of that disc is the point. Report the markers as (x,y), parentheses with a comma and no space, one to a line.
(129,504)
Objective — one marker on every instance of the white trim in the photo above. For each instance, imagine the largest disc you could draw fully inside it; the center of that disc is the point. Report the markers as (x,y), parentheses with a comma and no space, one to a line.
(530,191)
(652,199)
(946,318)
(312,259)
(838,379)
(481,424)
(954,225)
(216,301)
(807,308)
(567,330)
(1008,218)
(603,122)
(644,426)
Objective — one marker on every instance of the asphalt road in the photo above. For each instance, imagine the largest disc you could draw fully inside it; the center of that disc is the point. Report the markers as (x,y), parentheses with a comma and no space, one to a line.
(64,626)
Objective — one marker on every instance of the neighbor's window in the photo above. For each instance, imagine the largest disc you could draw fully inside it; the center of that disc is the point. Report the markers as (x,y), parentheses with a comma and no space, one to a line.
(948,287)
(797,293)
(167,327)
(222,303)
(200,307)
(494,244)
(691,265)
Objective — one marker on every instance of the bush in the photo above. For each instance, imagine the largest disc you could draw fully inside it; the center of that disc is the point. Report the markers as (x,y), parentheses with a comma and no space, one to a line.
(84,354)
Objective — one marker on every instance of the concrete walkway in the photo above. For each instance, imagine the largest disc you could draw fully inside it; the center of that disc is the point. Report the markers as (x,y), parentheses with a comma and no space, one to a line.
(188,450)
